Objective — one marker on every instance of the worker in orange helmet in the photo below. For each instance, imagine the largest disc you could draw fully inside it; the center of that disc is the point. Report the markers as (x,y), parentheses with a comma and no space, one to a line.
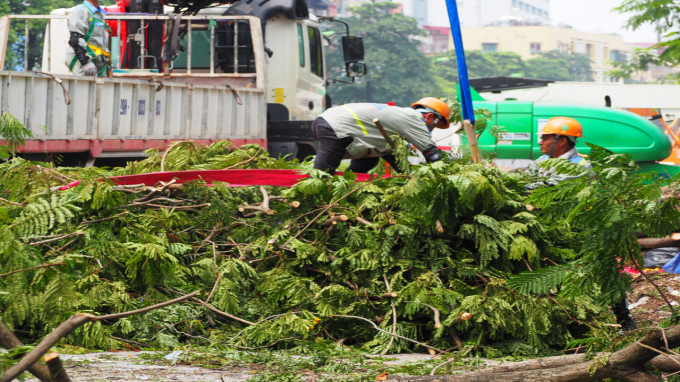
(348,132)
(558,140)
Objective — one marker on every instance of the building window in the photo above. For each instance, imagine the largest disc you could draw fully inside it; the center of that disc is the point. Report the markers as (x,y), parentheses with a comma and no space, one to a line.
(546,15)
(617,56)
(514,3)
(589,50)
(521,6)
(301,45)
(540,13)
(315,51)
(563,48)
(489,47)
(527,7)
(533,10)
(535,48)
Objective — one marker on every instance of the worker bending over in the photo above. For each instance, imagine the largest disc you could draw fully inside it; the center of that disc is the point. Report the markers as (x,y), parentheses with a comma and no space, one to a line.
(348,131)
(558,140)
(87,54)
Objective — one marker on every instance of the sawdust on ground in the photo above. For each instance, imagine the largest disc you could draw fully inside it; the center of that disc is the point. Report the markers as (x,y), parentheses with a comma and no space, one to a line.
(648,307)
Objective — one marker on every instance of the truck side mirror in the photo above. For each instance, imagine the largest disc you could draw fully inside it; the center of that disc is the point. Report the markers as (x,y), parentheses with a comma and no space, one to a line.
(353,48)
(356,69)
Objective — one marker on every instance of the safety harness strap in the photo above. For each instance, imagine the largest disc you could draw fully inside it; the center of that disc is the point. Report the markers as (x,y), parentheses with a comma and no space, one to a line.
(94,51)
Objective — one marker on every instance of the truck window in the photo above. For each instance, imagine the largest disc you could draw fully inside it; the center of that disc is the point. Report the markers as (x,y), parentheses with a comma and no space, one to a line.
(315,52)
(301,45)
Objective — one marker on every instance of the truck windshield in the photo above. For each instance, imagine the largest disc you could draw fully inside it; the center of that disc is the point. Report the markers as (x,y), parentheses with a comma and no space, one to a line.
(315,51)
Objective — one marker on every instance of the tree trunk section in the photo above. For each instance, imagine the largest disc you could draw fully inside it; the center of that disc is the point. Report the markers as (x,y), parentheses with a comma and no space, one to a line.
(9,341)
(56,367)
(627,364)
(651,243)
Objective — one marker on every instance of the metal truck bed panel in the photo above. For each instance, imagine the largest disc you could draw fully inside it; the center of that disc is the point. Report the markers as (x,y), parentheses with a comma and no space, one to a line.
(124,109)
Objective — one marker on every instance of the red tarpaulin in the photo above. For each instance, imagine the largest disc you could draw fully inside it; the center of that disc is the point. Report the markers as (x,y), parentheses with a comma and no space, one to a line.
(235,178)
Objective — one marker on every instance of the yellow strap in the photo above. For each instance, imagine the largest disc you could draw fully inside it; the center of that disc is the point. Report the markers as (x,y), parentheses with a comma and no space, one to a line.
(356,118)
(582,162)
(99,51)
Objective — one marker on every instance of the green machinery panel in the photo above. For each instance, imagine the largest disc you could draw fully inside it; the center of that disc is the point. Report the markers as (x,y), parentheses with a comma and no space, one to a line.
(617,130)
(515,119)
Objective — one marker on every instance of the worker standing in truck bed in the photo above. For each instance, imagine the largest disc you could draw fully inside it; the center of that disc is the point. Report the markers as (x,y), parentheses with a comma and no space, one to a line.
(348,131)
(87,54)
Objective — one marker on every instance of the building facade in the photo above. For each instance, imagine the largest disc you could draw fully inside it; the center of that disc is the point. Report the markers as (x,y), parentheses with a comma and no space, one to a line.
(480,13)
(530,41)
(437,40)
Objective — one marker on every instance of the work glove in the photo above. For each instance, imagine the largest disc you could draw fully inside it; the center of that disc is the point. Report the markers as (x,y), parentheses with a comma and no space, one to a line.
(90,69)
(432,155)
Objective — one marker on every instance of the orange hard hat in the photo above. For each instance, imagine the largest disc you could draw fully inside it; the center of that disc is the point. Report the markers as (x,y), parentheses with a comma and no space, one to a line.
(439,106)
(562,126)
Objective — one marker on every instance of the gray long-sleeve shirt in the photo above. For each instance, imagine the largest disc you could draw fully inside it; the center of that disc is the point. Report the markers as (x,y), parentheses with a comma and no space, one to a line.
(356,120)
(79,20)
(553,178)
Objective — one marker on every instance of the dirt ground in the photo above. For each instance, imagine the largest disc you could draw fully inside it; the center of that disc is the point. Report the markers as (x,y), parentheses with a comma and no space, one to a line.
(648,307)
(129,366)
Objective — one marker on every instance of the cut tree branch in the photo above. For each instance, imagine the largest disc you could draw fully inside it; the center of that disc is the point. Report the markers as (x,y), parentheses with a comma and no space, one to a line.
(225,314)
(463,317)
(627,364)
(57,238)
(394,315)
(56,367)
(9,342)
(69,326)
(30,269)
(363,221)
(437,322)
(386,332)
(178,207)
(652,243)
(260,207)
(10,202)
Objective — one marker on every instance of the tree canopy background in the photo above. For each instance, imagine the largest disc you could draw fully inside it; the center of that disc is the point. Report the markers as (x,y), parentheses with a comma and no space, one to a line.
(399,72)
(15,55)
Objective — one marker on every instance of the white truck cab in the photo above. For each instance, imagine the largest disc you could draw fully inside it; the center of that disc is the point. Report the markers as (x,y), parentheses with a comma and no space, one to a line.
(249,72)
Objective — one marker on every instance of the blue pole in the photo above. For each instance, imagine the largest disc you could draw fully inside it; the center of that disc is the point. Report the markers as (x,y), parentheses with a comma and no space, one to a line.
(463,81)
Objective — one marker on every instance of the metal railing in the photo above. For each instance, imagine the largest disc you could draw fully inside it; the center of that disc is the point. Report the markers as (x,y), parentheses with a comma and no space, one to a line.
(255,32)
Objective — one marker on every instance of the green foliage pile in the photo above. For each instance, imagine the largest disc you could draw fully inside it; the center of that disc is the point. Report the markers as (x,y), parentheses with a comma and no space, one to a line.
(451,236)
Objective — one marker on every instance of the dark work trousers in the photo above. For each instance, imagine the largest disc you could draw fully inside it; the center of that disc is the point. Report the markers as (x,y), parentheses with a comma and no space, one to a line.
(332,150)
(623,316)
